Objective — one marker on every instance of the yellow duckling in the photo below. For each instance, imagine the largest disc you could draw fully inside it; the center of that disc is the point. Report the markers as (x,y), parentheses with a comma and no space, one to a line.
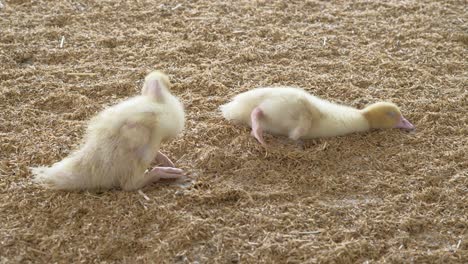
(295,113)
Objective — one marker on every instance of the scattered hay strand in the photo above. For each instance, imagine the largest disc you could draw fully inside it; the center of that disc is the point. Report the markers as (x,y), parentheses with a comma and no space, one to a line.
(81,74)
(144,195)
(62,40)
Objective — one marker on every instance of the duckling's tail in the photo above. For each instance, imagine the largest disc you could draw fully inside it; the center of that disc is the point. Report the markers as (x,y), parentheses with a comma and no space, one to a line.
(228,110)
(56,177)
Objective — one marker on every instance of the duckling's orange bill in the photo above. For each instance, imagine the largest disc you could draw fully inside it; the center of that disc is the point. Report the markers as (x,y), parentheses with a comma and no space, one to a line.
(404,124)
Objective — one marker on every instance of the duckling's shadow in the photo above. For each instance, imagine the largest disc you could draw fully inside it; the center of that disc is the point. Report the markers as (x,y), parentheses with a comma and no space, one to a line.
(282,141)
(183,183)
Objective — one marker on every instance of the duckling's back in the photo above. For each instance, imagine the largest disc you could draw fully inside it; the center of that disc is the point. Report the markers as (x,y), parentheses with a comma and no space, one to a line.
(284,109)
(241,106)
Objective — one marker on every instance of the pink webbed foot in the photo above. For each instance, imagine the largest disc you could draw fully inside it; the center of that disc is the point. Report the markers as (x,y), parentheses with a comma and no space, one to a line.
(157,174)
(163,173)
(257,131)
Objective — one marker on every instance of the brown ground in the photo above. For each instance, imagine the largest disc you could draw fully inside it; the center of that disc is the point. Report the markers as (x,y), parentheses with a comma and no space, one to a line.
(382,196)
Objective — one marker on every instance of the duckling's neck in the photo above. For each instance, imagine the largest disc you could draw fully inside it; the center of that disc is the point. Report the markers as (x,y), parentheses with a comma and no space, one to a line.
(339,120)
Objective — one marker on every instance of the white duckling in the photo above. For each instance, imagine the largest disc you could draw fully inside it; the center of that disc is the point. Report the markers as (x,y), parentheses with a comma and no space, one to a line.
(121,142)
(295,113)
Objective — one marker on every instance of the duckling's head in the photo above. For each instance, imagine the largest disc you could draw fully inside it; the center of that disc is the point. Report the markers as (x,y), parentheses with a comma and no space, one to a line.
(386,115)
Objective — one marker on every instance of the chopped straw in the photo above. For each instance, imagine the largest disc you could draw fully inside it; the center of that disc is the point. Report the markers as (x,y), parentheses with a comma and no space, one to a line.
(383,196)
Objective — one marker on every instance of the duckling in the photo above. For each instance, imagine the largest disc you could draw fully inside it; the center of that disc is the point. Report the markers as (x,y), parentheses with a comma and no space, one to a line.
(299,115)
(121,142)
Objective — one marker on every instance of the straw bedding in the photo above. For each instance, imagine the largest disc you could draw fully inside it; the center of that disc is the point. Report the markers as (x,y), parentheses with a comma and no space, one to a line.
(383,196)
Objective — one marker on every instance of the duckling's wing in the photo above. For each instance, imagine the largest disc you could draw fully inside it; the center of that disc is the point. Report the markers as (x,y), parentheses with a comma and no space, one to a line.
(310,110)
(137,129)
(308,115)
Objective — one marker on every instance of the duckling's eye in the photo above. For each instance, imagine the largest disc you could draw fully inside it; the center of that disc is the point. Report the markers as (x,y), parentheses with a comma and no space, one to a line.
(392,114)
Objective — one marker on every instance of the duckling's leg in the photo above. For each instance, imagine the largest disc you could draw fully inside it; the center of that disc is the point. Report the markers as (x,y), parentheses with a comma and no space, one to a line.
(163,160)
(257,131)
